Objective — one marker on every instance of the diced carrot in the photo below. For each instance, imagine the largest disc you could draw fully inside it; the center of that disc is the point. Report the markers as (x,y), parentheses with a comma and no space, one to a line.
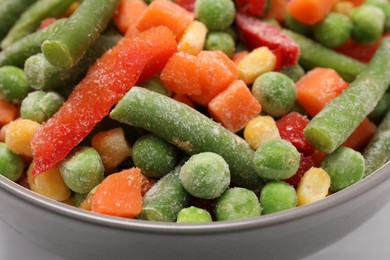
(362,135)
(8,112)
(238,56)
(357,2)
(317,88)
(165,12)
(217,71)
(235,106)
(184,99)
(181,74)
(277,10)
(310,11)
(119,194)
(127,14)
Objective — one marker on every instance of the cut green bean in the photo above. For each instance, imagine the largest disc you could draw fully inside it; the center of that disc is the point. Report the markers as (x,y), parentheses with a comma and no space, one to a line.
(381,109)
(42,75)
(66,47)
(315,55)
(333,124)
(377,151)
(188,129)
(165,199)
(20,51)
(13,84)
(10,11)
(30,20)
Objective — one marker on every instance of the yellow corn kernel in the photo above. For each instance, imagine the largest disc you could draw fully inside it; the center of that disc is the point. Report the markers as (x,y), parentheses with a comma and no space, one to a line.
(313,186)
(193,39)
(49,184)
(257,62)
(260,130)
(112,147)
(19,133)
(343,7)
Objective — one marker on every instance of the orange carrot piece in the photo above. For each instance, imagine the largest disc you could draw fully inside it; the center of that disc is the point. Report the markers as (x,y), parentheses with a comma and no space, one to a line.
(119,194)
(310,11)
(165,12)
(277,10)
(181,74)
(235,106)
(8,112)
(127,15)
(217,71)
(362,135)
(317,88)
(238,56)
(184,99)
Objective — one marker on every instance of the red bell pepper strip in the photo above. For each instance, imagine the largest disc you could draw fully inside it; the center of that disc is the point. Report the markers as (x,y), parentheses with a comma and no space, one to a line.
(114,73)
(189,5)
(258,7)
(256,33)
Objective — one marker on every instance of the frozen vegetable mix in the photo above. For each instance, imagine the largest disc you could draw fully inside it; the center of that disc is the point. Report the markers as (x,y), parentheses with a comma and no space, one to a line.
(193,111)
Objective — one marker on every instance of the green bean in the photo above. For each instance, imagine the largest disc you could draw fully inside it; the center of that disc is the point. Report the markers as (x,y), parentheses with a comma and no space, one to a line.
(380,109)
(315,55)
(333,124)
(41,74)
(377,151)
(188,129)
(30,20)
(18,52)
(66,47)
(165,199)
(277,196)
(154,156)
(10,11)
(205,175)
(193,215)
(11,164)
(345,167)
(155,84)
(13,84)
(82,170)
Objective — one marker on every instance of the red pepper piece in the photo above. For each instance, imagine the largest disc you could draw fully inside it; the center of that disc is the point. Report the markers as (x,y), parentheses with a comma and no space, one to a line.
(105,83)
(305,164)
(256,33)
(258,7)
(291,129)
(189,5)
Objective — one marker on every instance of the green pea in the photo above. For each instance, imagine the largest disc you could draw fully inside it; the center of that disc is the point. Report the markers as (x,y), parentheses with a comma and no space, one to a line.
(217,15)
(237,203)
(155,84)
(220,41)
(385,6)
(39,106)
(345,167)
(334,30)
(277,196)
(193,215)
(275,92)
(205,175)
(296,26)
(13,84)
(367,23)
(276,160)
(82,170)
(294,72)
(11,164)
(154,156)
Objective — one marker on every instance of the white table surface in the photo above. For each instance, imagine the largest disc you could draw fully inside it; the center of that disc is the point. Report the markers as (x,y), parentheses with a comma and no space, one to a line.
(370,241)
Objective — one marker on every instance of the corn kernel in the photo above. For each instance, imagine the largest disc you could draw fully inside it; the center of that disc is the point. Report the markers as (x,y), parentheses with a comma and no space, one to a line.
(193,39)
(343,7)
(19,133)
(313,186)
(49,184)
(112,147)
(257,62)
(260,130)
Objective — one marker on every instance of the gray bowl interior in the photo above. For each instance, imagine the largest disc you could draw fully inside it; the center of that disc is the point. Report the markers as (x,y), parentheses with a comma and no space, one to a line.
(292,234)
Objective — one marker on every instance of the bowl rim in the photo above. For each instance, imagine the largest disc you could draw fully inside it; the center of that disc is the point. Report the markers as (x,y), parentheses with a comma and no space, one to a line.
(59,208)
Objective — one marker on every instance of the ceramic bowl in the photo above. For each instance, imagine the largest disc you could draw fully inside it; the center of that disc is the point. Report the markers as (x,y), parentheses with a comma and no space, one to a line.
(292,234)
